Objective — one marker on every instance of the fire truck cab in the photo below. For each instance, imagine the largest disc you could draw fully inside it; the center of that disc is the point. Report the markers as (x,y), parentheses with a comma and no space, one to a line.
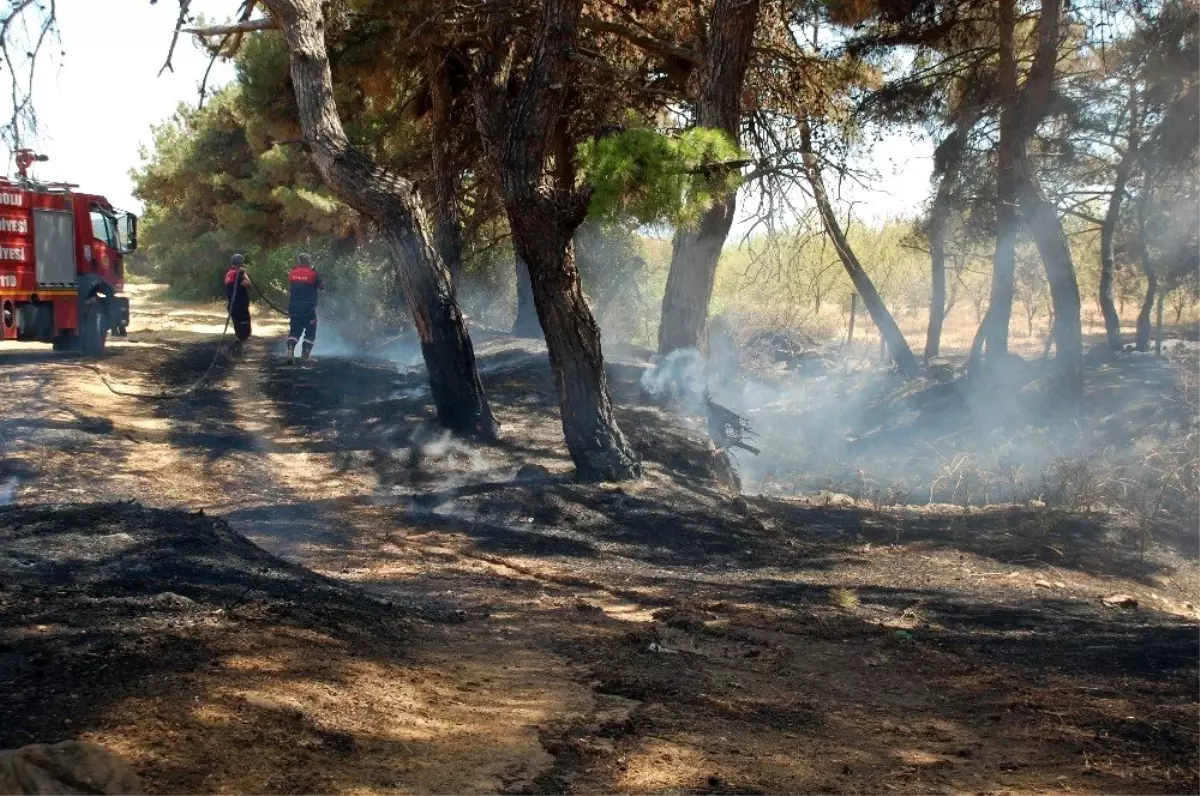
(62,263)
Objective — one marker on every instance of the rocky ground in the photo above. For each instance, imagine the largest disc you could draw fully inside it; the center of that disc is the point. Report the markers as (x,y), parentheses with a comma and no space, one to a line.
(315,591)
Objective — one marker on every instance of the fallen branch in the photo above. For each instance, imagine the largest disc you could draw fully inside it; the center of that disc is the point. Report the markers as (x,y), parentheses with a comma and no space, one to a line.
(728,429)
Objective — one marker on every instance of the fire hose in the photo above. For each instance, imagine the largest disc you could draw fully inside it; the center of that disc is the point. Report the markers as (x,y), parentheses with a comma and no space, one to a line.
(174,395)
(267,301)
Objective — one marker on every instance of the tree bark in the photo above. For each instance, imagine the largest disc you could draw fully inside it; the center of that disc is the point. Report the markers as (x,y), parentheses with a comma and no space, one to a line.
(1112,319)
(391,202)
(994,330)
(448,223)
(1041,217)
(1108,229)
(1040,214)
(951,152)
(1142,341)
(543,214)
(526,324)
(937,290)
(696,253)
(884,322)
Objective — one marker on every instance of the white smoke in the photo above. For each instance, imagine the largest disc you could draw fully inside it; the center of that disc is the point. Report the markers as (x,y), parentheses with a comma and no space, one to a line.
(681,376)
(8,490)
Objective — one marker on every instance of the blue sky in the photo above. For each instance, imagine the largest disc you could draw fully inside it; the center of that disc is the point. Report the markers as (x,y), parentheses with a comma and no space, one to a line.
(97,103)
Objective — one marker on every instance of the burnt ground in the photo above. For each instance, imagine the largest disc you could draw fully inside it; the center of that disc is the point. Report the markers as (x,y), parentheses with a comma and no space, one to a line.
(380,608)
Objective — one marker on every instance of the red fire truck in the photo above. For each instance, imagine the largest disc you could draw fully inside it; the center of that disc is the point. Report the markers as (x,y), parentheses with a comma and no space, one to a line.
(62,263)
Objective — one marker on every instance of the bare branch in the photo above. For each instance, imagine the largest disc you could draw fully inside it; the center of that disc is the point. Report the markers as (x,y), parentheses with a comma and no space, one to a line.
(647,43)
(231,41)
(184,7)
(249,26)
(46,26)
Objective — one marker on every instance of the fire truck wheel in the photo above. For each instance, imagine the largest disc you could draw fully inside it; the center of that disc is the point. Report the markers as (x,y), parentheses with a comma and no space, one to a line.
(93,332)
(66,341)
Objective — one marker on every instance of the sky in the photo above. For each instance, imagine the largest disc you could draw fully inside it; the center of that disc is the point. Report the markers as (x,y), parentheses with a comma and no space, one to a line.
(96,105)
(97,102)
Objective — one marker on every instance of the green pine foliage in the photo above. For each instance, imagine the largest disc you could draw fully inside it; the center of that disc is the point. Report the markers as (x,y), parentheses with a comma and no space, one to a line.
(655,178)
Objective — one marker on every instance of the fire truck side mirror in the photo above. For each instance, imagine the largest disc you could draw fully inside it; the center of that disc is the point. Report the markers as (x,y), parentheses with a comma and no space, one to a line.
(128,228)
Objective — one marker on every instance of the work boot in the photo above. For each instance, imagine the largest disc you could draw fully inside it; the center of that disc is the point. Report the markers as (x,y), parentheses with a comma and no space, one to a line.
(291,355)
(306,351)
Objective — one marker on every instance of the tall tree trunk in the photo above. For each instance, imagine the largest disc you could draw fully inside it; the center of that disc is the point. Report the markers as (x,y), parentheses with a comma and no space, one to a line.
(884,322)
(1040,214)
(1144,324)
(937,290)
(1108,229)
(543,214)
(696,253)
(390,201)
(994,330)
(1041,217)
(1112,319)
(950,155)
(448,224)
(526,324)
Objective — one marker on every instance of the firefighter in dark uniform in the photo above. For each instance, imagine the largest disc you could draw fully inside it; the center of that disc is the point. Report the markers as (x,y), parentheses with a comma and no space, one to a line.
(303,284)
(237,294)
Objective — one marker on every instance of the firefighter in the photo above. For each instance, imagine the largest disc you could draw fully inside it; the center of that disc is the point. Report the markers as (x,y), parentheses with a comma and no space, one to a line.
(303,284)
(237,294)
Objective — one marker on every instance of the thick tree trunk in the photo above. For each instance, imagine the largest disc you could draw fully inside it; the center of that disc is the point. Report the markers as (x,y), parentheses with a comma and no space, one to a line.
(1142,341)
(1108,230)
(999,312)
(1040,214)
(448,226)
(597,446)
(884,322)
(1112,319)
(695,254)
(517,133)
(1041,217)
(390,201)
(1144,323)
(950,154)
(937,290)
(526,324)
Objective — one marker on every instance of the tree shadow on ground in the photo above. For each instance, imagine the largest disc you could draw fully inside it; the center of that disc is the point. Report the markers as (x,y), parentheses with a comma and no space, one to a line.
(111,601)
(212,665)
(341,407)
(34,426)
(1088,543)
(203,420)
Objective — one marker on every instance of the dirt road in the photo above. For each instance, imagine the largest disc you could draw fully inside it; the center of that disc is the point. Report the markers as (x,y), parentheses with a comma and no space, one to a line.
(536,635)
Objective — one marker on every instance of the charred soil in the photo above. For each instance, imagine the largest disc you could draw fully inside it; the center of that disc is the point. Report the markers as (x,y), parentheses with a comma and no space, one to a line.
(382,608)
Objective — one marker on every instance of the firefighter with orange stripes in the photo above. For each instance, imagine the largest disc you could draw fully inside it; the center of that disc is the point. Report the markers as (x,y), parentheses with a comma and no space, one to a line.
(237,294)
(304,283)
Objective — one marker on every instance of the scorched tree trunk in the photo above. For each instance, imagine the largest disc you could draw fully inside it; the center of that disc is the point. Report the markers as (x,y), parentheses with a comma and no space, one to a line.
(391,202)
(695,254)
(1144,322)
(448,224)
(950,155)
(1041,217)
(993,332)
(594,439)
(519,119)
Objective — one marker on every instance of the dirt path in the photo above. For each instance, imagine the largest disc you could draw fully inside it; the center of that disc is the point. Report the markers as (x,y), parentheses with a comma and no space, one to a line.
(657,637)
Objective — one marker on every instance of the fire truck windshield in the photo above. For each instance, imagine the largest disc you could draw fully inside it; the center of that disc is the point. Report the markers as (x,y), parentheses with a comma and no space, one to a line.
(104,227)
